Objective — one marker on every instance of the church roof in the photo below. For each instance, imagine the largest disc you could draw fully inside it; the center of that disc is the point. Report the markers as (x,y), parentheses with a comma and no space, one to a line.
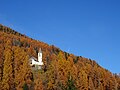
(34,59)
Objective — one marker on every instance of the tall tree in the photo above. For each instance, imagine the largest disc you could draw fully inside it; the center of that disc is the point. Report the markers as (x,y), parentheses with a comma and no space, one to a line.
(1,64)
(8,79)
(22,68)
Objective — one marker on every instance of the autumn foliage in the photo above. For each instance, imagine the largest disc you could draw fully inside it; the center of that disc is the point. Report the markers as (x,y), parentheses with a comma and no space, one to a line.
(61,70)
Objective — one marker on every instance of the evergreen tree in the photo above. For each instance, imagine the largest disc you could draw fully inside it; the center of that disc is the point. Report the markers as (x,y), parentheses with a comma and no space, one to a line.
(70,84)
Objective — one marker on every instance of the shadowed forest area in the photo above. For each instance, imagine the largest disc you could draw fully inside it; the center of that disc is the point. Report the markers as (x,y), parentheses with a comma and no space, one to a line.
(61,70)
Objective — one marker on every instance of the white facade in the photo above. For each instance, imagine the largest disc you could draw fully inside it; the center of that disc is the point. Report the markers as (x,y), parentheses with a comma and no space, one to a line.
(37,62)
(40,57)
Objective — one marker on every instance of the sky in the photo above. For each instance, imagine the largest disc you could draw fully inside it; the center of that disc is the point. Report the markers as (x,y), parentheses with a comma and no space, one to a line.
(88,28)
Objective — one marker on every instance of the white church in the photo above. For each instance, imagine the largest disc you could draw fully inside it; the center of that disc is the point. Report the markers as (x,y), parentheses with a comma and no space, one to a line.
(37,63)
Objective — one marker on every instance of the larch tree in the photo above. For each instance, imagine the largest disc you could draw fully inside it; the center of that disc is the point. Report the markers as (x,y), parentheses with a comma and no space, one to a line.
(22,68)
(8,79)
(1,64)
(38,80)
(90,84)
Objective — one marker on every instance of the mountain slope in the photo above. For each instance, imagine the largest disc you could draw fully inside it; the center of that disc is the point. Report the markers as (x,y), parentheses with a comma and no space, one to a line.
(61,70)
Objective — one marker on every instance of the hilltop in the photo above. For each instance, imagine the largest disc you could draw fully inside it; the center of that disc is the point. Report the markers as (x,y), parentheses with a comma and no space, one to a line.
(61,70)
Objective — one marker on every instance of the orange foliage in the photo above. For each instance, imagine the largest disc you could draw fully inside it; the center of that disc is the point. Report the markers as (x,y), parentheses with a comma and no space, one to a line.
(61,70)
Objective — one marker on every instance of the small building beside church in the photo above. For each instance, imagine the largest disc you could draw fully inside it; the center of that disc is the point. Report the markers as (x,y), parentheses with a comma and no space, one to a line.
(37,63)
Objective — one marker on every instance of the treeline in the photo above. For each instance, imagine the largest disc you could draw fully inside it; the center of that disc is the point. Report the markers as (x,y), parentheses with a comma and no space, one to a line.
(9,30)
(61,70)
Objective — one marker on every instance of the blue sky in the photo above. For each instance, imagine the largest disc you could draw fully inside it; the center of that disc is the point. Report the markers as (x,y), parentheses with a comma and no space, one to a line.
(89,28)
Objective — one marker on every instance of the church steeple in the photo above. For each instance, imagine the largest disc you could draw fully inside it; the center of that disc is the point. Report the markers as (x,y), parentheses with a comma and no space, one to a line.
(40,57)
(40,51)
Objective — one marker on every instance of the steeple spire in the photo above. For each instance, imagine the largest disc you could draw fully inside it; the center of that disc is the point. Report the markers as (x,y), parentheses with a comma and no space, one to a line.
(40,57)
(40,51)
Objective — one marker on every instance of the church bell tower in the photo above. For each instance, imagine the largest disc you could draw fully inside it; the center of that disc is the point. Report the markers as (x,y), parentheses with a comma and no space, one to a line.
(40,57)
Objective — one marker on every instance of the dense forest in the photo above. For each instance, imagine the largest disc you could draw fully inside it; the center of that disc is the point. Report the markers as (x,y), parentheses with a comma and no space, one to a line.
(61,70)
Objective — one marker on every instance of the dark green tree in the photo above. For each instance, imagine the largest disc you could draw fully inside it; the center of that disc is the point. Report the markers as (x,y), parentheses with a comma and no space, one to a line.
(70,84)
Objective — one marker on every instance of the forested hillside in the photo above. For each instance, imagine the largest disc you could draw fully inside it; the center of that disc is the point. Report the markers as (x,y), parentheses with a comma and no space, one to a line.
(61,70)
